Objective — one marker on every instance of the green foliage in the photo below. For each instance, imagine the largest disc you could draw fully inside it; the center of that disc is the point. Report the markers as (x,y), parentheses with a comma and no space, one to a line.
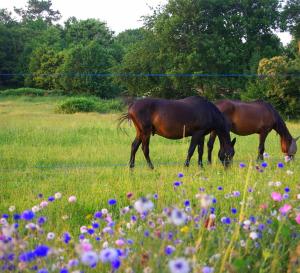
(89,104)
(83,69)
(26,91)
(279,84)
(209,37)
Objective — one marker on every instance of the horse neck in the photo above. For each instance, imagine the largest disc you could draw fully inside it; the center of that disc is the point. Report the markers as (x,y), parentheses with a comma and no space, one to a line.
(285,136)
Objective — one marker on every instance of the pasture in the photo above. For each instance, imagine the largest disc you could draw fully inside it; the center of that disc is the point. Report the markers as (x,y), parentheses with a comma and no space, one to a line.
(84,155)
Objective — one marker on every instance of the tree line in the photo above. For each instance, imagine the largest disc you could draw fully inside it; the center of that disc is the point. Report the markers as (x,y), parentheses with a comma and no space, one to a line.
(213,48)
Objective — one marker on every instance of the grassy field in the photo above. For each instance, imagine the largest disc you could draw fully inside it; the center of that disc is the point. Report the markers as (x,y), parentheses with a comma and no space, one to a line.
(84,155)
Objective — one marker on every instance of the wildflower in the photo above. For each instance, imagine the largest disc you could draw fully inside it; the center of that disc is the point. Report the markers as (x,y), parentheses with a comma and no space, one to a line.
(225,220)
(280,165)
(276,196)
(143,205)
(253,235)
(58,195)
(266,155)
(206,200)
(298,219)
(89,258)
(180,175)
(43,270)
(66,237)
(129,195)
(41,251)
(104,211)
(242,165)
(287,159)
(155,196)
(277,184)
(234,210)
(28,215)
(285,209)
(184,229)
(178,217)
(64,270)
(115,264)
(207,269)
(179,265)
(42,220)
(220,188)
(51,198)
(264,164)
(187,203)
(35,209)
(73,263)
(242,243)
(285,196)
(50,236)
(176,184)
(119,242)
(108,255)
(43,204)
(98,214)
(112,202)
(27,256)
(11,208)
(72,199)
(169,249)
(236,193)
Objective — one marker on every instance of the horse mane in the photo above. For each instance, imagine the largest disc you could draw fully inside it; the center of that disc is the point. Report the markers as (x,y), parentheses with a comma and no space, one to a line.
(280,126)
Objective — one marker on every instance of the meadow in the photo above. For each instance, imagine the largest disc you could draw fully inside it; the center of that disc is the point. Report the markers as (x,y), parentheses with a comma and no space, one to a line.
(189,219)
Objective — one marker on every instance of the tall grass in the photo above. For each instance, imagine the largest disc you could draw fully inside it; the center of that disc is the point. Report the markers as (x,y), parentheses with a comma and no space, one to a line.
(42,152)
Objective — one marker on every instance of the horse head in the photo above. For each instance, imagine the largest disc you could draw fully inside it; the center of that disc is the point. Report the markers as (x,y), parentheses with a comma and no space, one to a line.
(293,147)
(226,153)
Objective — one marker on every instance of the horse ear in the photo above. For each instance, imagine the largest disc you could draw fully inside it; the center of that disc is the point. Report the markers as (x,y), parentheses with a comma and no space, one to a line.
(233,142)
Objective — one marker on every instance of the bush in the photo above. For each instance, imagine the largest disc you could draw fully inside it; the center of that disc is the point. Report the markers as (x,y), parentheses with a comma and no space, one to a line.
(89,104)
(27,91)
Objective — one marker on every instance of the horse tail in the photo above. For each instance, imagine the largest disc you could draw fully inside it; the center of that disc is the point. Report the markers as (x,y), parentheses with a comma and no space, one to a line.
(124,117)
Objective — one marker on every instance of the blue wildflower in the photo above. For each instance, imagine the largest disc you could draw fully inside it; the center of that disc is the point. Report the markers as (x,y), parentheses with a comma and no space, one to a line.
(6,216)
(42,220)
(214,200)
(43,270)
(27,256)
(81,236)
(95,225)
(41,251)
(187,203)
(242,165)
(115,264)
(287,189)
(146,233)
(98,238)
(212,210)
(264,164)
(155,196)
(176,184)
(51,199)
(252,219)
(91,231)
(220,188)
(17,217)
(112,202)
(64,270)
(234,210)
(98,214)
(280,165)
(225,220)
(180,175)
(66,237)
(169,250)
(28,215)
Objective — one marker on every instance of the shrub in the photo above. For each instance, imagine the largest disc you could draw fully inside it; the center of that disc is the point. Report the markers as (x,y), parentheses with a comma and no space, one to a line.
(89,104)
(27,91)
(73,105)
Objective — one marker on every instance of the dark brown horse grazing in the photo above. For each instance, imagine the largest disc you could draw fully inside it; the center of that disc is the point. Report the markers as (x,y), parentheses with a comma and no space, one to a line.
(257,117)
(175,119)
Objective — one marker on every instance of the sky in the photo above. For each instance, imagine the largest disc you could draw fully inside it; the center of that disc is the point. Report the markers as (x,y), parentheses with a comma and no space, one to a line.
(118,14)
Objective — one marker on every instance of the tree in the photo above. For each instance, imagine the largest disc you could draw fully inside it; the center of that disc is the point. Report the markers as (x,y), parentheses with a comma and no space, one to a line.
(206,37)
(39,9)
(85,69)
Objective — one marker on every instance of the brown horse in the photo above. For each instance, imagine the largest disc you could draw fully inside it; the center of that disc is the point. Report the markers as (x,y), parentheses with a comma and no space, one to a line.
(175,119)
(257,117)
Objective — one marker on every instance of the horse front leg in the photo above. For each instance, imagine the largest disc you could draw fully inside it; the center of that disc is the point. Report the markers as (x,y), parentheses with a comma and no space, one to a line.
(210,145)
(196,138)
(261,148)
(200,151)
(134,147)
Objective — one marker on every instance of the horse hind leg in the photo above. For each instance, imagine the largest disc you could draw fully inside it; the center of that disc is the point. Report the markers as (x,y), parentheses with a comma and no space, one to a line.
(134,147)
(196,138)
(200,152)
(145,148)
